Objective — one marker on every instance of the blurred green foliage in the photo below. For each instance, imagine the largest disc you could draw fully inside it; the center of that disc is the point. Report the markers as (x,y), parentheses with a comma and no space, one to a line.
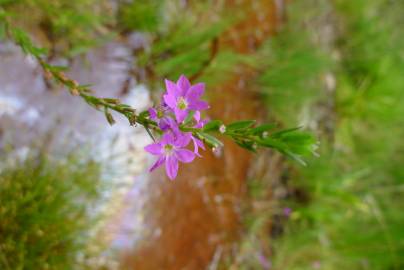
(182,35)
(44,218)
(294,66)
(140,15)
(70,27)
(350,213)
(185,40)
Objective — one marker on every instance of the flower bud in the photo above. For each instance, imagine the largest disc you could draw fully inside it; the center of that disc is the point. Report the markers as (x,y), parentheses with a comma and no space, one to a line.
(222,129)
(74,91)
(217,151)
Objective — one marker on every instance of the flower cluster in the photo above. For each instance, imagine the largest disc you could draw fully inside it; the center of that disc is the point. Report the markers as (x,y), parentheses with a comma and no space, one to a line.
(178,118)
(177,121)
(181,107)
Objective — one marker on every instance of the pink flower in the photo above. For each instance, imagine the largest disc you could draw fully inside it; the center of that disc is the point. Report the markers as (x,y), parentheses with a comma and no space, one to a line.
(170,150)
(197,144)
(182,97)
(198,124)
(265,263)
(287,211)
(161,117)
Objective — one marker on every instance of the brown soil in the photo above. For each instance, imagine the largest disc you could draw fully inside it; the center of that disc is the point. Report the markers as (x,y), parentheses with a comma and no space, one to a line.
(200,210)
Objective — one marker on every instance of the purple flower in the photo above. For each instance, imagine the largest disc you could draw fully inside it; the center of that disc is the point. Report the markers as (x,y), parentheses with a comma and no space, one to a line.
(197,144)
(170,150)
(287,211)
(183,97)
(163,120)
(198,124)
(265,263)
(153,113)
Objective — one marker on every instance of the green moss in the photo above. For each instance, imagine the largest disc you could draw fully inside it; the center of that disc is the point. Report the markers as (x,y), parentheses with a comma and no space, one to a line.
(43,212)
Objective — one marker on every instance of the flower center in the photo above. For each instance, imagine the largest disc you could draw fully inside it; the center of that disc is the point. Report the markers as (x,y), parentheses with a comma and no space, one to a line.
(160,114)
(182,103)
(168,149)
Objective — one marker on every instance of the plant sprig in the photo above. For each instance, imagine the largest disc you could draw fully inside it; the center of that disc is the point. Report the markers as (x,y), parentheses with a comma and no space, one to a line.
(84,91)
(246,133)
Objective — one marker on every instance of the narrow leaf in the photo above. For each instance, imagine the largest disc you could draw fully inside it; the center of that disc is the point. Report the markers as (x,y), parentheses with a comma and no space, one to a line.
(262,128)
(212,125)
(240,125)
(211,140)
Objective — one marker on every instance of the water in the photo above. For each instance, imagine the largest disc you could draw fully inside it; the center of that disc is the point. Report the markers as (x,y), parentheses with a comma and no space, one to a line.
(32,116)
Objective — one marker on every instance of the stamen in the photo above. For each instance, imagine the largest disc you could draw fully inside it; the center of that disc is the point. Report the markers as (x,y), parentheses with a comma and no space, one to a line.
(168,149)
(182,103)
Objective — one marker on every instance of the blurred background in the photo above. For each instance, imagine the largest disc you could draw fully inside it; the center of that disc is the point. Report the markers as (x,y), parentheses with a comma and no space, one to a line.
(75,192)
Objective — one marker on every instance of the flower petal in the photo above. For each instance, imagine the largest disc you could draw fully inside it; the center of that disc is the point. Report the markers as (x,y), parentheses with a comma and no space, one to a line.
(180,115)
(154,148)
(184,155)
(171,167)
(167,138)
(166,123)
(196,149)
(195,91)
(172,88)
(183,85)
(198,105)
(197,116)
(182,139)
(170,100)
(158,163)
(153,113)
(197,144)
(201,124)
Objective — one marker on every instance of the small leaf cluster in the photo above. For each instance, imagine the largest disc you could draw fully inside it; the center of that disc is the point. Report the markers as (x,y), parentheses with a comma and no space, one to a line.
(247,134)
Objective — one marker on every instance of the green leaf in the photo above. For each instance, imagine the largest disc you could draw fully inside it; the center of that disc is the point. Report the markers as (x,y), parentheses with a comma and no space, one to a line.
(213,125)
(143,114)
(281,147)
(284,131)
(295,157)
(84,86)
(109,117)
(112,100)
(209,139)
(272,143)
(262,128)
(247,145)
(240,125)
(299,142)
(291,143)
(22,39)
(56,68)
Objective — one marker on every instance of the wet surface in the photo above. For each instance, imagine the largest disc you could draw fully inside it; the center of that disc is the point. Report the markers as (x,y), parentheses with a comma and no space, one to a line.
(33,116)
